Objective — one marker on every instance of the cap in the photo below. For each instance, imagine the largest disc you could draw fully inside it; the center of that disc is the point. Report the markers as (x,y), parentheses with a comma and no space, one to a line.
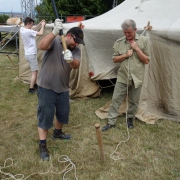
(78,33)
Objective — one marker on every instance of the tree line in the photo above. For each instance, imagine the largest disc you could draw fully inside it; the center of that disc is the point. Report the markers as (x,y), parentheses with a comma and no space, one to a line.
(75,7)
(3,18)
(89,8)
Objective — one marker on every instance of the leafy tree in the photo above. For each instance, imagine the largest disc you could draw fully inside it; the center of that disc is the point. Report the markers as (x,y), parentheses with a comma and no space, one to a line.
(3,18)
(109,3)
(75,7)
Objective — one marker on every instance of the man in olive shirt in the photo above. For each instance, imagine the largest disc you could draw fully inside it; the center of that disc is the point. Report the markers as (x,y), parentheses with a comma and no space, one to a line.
(132,53)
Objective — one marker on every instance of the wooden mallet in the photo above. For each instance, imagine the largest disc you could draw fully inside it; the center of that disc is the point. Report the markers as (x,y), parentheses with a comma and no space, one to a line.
(99,139)
(61,31)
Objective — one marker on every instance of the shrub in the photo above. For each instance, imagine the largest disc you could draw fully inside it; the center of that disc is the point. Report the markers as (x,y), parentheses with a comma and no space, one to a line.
(3,18)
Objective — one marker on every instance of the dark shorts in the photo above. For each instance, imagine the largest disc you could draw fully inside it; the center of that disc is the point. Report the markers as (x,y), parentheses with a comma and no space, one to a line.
(52,104)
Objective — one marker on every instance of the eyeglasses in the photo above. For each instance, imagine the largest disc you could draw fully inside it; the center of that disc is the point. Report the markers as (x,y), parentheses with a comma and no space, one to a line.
(74,38)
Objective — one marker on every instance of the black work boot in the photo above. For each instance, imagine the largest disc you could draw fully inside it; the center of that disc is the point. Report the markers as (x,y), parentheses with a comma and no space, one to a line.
(130,123)
(108,126)
(36,87)
(43,152)
(60,135)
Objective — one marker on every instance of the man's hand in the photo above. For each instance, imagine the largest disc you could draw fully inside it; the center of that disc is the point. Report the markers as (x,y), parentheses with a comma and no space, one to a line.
(129,53)
(43,22)
(134,46)
(57,26)
(68,56)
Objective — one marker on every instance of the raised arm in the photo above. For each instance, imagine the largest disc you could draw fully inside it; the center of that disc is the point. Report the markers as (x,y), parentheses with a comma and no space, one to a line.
(40,33)
(45,42)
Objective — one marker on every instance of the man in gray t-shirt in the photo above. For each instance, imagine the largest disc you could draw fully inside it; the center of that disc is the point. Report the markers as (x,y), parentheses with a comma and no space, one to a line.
(53,82)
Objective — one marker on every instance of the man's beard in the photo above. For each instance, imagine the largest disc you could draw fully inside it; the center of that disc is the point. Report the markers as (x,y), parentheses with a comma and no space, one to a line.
(71,48)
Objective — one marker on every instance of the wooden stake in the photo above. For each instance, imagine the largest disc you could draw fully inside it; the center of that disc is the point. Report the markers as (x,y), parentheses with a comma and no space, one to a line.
(148,26)
(11,60)
(99,139)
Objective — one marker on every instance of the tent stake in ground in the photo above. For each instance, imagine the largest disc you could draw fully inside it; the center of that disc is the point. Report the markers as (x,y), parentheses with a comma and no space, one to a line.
(99,139)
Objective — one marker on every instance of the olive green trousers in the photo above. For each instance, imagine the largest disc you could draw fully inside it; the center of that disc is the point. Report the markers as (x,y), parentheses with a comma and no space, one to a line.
(119,94)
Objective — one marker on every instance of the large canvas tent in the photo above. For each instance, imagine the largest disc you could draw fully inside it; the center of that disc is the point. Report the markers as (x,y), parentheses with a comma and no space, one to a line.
(160,97)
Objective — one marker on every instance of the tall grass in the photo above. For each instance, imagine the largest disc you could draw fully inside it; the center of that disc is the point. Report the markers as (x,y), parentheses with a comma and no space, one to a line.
(152,152)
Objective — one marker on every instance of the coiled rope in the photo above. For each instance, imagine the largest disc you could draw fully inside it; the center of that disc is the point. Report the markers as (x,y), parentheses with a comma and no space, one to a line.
(61,159)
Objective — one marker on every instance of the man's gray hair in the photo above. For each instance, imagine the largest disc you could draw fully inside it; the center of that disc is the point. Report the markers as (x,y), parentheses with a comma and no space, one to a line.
(129,23)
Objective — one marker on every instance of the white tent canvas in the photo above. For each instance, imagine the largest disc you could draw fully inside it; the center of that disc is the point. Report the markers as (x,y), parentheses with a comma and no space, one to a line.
(160,97)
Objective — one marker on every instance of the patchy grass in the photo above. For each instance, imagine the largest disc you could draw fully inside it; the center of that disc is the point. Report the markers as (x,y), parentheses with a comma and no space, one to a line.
(152,152)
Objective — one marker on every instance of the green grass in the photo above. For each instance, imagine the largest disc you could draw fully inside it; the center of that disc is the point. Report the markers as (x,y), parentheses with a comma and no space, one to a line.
(152,152)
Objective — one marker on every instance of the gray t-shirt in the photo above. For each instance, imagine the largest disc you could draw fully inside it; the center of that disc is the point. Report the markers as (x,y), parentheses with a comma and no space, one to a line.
(55,71)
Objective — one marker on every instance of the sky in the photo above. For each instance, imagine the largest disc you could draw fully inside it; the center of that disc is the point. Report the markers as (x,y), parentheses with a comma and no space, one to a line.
(12,5)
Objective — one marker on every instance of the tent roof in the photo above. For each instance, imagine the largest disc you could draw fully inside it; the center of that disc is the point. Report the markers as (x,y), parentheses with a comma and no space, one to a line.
(160,92)
(162,14)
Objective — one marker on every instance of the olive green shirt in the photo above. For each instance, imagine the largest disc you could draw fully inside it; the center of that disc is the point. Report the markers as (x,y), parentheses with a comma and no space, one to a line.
(136,66)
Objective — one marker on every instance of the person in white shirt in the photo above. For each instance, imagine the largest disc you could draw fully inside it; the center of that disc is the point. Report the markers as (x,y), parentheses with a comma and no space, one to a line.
(28,36)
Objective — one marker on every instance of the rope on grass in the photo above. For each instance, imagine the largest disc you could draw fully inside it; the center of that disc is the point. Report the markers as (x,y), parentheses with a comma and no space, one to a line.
(115,155)
(64,158)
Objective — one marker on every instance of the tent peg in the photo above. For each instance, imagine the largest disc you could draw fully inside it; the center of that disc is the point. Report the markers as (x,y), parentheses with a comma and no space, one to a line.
(148,27)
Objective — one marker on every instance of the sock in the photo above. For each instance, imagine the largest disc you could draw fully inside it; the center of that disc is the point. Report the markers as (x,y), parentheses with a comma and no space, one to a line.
(42,141)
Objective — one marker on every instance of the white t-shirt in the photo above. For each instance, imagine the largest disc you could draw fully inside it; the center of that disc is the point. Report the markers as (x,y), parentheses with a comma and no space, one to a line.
(29,40)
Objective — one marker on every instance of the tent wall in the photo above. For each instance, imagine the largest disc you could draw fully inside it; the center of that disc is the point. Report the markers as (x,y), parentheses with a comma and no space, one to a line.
(160,97)
(163,77)
(160,92)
